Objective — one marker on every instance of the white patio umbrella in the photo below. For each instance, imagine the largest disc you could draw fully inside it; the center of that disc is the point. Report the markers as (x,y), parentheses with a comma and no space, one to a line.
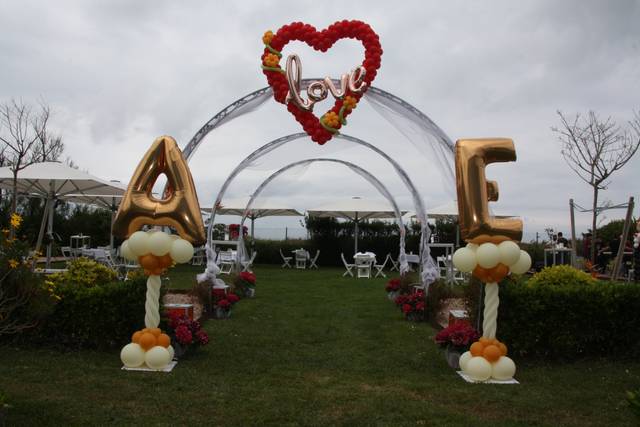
(52,180)
(260,208)
(355,209)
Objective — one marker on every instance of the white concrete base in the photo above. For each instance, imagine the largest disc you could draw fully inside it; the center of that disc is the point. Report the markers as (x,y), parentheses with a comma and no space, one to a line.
(489,381)
(144,368)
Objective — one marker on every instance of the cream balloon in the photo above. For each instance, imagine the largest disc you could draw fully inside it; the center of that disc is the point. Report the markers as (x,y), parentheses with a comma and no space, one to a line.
(523,265)
(139,243)
(181,251)
(509,252)
(464,259)
(472,246)
(160,243)
(157,358)
(478,369)
(488,255)
(171,351)
(464,359)
(126,253)
(132,355)
(503,369)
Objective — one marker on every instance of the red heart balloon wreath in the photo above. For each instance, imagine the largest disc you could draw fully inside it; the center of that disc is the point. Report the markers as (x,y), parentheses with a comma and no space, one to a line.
(320,130)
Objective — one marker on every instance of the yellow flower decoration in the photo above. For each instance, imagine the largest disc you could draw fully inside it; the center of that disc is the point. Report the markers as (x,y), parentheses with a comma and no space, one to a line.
(16,220)
(267,37)
(331,119)
(349,102)
(13,263)
(5,231)
(272,60)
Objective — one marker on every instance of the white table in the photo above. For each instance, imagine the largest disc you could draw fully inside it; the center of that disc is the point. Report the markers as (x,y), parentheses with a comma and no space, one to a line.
(554,252)
(301,256)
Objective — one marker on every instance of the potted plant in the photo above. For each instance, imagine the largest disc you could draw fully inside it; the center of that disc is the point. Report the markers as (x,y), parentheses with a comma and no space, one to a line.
(456,339)
(412,306)
(393,288)
(186,334)
(222,305)
(245,284)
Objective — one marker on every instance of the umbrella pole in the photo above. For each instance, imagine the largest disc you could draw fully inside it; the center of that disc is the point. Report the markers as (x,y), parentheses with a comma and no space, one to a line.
(356,234)
(52,205)
(41,232)
(113,217)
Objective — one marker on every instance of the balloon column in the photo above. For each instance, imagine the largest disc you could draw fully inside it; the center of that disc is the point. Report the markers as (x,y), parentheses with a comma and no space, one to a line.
(156,250)
(492,252)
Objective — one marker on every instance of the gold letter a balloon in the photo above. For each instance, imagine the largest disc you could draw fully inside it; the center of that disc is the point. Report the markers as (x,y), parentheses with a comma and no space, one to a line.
(179,207)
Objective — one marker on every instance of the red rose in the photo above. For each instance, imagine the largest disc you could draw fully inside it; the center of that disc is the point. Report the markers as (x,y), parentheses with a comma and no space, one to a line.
(406,308)
(183,335)
(202,337)
(233,298)
(420,306)
(224,303)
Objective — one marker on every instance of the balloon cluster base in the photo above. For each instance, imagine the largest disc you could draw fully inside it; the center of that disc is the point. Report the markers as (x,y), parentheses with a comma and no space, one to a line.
(468,379)
(168,368)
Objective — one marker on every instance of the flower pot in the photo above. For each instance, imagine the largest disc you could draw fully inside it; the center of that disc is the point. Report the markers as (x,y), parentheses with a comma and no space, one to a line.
(249,292)
(179,350)
(392,295)
(453,357)
(221,313)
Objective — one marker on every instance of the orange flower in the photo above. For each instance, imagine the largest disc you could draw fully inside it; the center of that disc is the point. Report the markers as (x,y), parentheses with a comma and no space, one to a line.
(272,60)
(13,263)
(331,119)
(349,102)
(267,37)
(16,220)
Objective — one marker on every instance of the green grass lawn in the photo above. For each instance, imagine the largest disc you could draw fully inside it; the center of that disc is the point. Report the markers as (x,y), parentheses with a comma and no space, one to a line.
(312,348)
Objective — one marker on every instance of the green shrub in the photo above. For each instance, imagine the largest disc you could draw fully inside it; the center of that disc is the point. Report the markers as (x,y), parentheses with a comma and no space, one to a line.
(102,316)
(84,272)
(570,319)
(560,275)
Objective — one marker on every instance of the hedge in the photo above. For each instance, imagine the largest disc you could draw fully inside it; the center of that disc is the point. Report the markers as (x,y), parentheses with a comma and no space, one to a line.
(547,318)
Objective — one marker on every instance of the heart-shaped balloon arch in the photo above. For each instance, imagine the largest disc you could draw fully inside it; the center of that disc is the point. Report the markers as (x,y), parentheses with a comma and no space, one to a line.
(285,82)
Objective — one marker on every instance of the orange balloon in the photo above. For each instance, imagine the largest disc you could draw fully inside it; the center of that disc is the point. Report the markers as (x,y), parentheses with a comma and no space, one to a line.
(476,348)
(147,341)
(484,340)
(492,353)
(164,340)
(136,336)
(149,262)
(166,261)
(499,272)
(482,273)
(493,341)
(503,349)
(145,330)
(155,331)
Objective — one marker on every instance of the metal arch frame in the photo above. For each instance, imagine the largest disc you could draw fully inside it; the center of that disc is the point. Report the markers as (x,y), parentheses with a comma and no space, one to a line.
(266,92)
(404,267)
(425,257)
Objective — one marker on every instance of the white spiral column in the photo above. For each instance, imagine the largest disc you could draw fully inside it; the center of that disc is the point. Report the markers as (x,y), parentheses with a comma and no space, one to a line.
(152,304)
(491,301)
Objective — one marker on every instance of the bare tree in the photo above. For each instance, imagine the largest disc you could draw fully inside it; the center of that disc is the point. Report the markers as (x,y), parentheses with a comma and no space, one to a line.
(26,139)
(594,149)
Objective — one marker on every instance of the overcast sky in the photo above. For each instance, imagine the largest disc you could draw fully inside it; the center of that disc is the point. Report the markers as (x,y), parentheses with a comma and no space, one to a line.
(117,74)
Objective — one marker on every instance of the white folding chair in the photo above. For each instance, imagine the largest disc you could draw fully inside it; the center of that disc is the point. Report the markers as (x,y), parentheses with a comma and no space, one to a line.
(286,260)
(66,252)
(395,265)
(363,266)
(198,256)
(226,261)
(380,267)
(246,265)
(312,262)
(348,266)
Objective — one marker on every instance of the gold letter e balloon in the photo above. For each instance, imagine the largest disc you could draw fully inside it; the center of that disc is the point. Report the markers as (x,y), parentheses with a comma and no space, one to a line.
(156,250)
(492,252)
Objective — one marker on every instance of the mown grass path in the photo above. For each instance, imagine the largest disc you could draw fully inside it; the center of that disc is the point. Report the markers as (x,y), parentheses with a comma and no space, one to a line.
(311,349)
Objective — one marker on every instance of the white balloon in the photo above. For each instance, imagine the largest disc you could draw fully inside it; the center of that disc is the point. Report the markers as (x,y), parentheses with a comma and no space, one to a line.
(509,252)
(523,265)
(125,251)
(472,246)
(132,355)
(464,359)
(464,259)
(503,369)
(171,351)
(160,243)
(157,358)
(139,243)
(181,251)
(488,255)
(478,368)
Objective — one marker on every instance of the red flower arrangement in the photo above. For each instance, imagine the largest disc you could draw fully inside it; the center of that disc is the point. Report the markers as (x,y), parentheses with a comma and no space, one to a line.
(460,336)
(245,284)
(225,302)
(412,305)
(186,332)
(234,231)
(393,285)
